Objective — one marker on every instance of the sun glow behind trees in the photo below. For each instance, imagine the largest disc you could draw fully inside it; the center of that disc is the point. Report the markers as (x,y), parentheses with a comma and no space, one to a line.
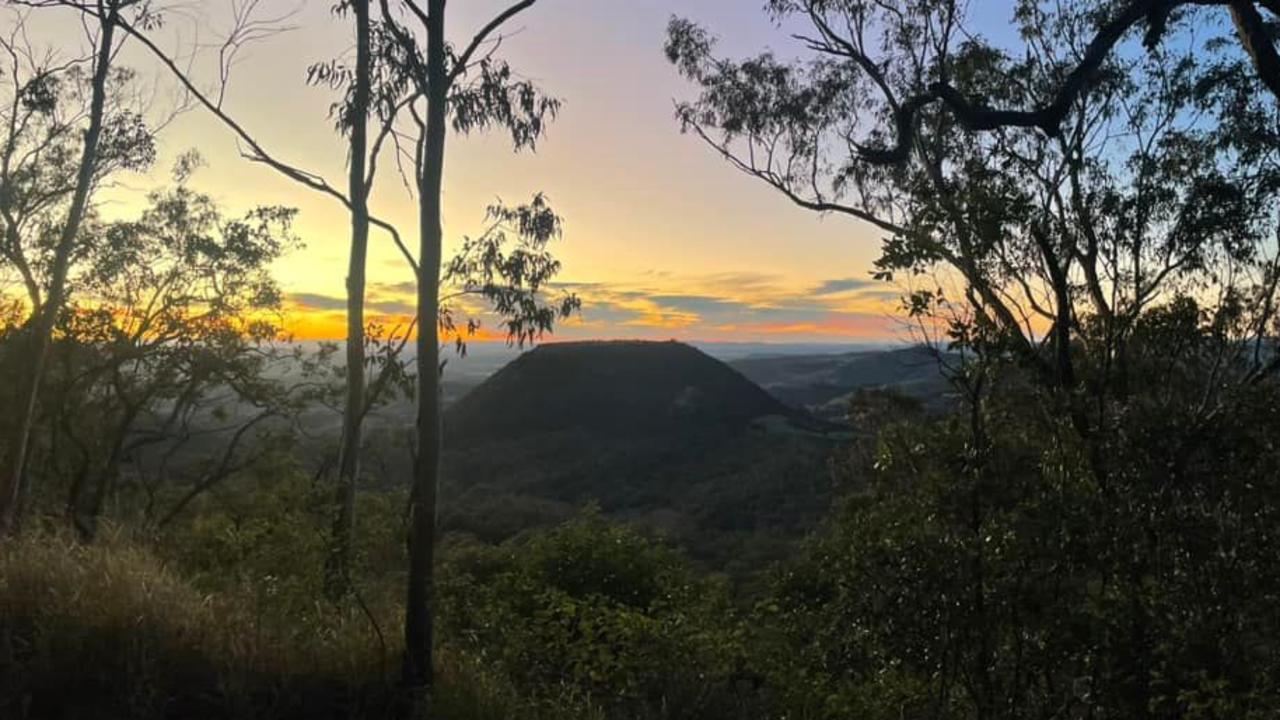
(649,216)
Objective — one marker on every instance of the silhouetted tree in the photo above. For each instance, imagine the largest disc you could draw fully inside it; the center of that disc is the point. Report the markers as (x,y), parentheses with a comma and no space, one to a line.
(63,136)
(352,115)
(1164,179)
(1116,283)
(469,90)
(168,344)
(1105,25)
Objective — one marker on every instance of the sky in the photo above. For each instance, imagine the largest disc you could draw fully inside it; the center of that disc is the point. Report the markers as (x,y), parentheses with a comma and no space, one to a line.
(662,238)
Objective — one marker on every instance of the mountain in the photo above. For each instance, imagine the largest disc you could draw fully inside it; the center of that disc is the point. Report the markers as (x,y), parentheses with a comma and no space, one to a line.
(823,383)
(619,387)
(658,433)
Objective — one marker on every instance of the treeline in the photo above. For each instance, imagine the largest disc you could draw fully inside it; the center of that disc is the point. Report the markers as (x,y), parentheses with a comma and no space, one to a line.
(1086,220)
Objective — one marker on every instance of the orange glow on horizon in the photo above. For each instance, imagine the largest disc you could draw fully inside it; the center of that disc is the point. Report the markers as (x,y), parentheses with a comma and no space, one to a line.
(661,237)
(317,325)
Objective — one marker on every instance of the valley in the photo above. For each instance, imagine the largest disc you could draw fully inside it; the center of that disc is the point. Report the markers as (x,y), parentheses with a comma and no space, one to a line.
(729,460)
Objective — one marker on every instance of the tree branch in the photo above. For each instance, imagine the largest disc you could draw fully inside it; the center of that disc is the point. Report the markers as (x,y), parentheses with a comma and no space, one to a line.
(975,115)
(485,32)
(1256,39)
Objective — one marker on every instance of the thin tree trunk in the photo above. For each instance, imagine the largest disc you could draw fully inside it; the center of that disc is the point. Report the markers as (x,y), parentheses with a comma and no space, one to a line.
(420,607)
(40,332)
(85,520)
(337,568)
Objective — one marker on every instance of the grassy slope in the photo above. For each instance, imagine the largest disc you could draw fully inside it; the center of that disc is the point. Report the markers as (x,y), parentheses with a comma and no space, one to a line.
(108,631)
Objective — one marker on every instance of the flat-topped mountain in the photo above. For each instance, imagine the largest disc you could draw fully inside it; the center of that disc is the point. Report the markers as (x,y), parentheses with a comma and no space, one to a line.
(631,387)
(655,432)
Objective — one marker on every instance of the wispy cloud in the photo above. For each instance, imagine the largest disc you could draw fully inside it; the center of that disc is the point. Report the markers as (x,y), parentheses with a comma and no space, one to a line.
(392,307)
(316,301)
(661,304)
(732,304)
(407,287)
(843,285)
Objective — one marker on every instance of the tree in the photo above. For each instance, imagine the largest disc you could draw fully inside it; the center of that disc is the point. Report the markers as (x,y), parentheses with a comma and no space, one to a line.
(469,90)
(39,185)
(352,119)
(1110,22)
(980,571)
(1114,285)
(1163,181)
(595,615)
(167,346)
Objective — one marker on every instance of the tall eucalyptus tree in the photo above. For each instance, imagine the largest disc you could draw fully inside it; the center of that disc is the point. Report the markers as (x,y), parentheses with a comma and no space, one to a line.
(463,90)
(1114,269)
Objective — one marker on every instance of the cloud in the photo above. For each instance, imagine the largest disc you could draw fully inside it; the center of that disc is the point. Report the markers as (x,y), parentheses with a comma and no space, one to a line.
(832,326)
(746,306)
(887,296)
(719,306)
(315,301)
(407,287)
(698,304)
(393,307)
(742,285)
(842,285)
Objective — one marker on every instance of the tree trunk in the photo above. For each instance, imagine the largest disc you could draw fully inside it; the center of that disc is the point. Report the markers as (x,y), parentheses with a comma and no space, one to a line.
(40,332)
(420,607)
(337,568)
(85,520)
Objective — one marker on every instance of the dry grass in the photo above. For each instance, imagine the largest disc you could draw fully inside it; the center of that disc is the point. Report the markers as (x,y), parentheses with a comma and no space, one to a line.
(107,631)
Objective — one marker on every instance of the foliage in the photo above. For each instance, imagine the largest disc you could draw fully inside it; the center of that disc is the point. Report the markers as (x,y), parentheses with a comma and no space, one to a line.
(593,612)
(1078,540)
(512,281)
(144,643)
(1091,532)
(985,572)
(1041,245)
(45,107)
(163,359)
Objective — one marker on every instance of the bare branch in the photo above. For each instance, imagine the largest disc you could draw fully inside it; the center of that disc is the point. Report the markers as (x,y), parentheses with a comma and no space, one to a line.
(497,22)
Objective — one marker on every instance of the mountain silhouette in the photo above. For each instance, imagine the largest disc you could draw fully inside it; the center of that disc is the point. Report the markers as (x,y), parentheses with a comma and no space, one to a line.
(654,432)
(623,386)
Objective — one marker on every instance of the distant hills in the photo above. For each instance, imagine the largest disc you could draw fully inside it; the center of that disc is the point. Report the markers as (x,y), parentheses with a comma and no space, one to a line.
(730,459)
(824,383)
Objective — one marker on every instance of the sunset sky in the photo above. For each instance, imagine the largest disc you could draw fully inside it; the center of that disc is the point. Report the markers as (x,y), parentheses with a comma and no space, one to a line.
(663,239)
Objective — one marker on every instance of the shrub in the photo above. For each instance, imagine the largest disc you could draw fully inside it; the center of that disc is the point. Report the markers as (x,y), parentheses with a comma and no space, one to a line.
(594,614)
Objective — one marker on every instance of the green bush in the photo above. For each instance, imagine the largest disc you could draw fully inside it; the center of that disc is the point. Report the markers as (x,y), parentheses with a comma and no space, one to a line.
(993,576)
(593,614)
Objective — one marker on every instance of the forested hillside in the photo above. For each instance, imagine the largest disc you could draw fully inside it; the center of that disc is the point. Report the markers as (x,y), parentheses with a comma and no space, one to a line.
(248,468)
(656,433)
